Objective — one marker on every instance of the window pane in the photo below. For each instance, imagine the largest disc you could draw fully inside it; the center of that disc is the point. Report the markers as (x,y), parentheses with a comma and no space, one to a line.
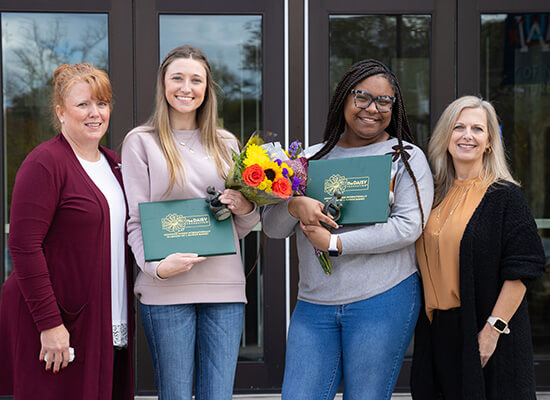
(233,46)
(400,41)
(33,45)
(515,77)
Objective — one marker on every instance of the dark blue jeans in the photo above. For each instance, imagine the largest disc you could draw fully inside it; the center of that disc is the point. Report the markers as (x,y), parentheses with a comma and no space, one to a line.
(183,335)
(363,342)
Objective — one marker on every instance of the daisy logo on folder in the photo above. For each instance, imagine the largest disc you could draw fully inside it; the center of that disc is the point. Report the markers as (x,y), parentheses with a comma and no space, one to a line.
(180,226)
(176,223)
(363,182)
(173,223)
(339,183)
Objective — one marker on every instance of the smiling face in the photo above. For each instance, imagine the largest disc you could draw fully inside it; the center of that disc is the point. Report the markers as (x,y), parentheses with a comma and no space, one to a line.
(469,141)
(84,119)
(366,126)
(185,87)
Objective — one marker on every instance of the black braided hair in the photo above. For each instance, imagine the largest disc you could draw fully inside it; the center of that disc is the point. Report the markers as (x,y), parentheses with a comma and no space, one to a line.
(399,124)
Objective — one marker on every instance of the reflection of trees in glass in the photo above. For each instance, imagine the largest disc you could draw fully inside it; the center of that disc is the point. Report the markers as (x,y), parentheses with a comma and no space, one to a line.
(402,42)
(241,92)
(41,46)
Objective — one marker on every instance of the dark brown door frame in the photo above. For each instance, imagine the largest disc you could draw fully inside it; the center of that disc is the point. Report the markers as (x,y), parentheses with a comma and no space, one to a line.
(468,79)
(251,376)
(442,67)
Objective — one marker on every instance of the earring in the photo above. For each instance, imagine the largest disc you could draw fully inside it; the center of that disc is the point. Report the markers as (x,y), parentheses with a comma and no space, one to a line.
(62,121)
(488,150)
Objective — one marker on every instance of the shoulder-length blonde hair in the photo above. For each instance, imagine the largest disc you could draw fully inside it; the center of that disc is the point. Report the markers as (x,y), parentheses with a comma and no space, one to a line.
(495,167)
(207,114)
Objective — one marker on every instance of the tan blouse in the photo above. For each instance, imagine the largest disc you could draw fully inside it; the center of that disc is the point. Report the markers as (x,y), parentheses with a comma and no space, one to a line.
(442,236)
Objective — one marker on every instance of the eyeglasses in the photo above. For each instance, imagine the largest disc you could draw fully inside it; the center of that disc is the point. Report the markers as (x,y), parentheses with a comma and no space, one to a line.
(364,99)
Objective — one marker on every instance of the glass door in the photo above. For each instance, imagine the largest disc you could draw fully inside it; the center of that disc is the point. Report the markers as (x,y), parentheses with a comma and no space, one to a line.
(243,48)
(506,53)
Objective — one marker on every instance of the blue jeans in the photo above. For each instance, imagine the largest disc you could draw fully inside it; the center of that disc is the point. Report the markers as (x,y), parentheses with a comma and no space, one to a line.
(363,342)
(184,334)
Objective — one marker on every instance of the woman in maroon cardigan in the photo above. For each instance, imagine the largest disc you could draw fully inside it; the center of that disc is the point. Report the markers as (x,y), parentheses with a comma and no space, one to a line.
(66,312)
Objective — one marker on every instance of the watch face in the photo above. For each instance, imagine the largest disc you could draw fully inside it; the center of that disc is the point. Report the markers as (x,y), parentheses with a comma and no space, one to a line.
(500,325)
(333,253)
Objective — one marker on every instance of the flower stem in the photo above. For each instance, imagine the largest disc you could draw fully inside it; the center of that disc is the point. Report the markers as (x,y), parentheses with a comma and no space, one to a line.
(324,260)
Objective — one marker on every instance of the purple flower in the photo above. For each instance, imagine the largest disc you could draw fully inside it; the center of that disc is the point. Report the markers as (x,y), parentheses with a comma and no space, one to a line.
(295,183)
(285,172)
(279,162)
(294,148)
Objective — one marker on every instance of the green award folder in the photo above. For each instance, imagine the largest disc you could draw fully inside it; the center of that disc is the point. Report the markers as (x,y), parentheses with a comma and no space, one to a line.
(363,181)
(183,226)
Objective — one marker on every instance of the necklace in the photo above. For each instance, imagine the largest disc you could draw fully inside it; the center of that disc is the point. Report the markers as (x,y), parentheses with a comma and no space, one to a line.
(453,209)
(189,146)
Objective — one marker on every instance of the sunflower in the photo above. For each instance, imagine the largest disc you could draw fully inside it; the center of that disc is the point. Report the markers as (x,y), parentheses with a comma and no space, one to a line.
(256,155)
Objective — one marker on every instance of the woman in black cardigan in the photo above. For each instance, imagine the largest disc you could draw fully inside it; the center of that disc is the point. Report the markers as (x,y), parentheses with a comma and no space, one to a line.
(479,251)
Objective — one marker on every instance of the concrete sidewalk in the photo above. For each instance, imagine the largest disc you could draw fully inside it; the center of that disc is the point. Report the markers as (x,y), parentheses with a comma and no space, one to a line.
(396,396)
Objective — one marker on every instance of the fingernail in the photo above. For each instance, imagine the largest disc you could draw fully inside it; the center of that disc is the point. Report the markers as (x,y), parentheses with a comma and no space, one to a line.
(55,372)
(63,367)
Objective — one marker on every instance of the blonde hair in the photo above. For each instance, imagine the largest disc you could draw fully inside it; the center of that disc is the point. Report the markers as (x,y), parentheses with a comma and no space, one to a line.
(64,78)
(495,167)
(207,115)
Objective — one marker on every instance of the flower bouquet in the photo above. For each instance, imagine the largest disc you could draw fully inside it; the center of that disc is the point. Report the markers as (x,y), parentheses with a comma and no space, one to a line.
(265,173)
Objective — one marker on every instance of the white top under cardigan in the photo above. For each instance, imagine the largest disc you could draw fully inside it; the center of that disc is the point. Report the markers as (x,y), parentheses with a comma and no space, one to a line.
(100,173)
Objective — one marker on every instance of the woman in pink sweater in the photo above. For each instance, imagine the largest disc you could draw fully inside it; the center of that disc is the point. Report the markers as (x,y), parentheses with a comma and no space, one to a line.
(192,307)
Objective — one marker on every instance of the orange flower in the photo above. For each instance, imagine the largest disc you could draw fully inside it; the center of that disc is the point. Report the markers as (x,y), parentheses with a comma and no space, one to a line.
(282,188)
(253,175)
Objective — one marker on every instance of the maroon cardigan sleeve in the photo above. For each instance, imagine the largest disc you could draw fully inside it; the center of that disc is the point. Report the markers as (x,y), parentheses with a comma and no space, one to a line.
(34,202)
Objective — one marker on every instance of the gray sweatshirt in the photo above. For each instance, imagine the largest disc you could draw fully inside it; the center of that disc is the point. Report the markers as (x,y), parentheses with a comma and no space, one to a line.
(374,257)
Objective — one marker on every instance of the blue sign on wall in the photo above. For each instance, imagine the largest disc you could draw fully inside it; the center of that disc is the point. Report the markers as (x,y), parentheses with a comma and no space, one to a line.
(527,49)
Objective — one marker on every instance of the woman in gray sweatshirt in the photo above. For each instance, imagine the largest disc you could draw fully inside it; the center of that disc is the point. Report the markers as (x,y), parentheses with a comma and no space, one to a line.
(355,324)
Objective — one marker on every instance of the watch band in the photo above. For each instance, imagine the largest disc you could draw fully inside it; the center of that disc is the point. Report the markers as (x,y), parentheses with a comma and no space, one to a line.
(333,246)
(499,325)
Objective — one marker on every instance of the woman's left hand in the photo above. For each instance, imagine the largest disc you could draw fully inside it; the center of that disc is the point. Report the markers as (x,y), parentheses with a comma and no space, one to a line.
(317,235)
(236,202)
(487,340)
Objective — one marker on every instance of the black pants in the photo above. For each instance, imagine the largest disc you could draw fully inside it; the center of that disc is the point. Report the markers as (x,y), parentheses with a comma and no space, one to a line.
(119,357)
(437,363)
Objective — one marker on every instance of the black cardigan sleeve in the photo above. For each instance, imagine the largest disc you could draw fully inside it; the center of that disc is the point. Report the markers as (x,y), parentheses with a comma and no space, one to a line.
(522,252)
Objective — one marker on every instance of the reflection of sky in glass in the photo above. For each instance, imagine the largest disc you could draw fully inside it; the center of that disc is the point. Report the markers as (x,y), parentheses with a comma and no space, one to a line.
(222,38)
(34,44)
(493,17)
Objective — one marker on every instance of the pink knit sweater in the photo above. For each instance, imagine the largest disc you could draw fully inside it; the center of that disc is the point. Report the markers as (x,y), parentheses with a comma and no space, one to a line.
(145,174)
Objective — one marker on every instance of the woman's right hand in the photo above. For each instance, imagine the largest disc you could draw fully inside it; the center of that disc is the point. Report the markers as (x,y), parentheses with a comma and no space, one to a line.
(177,263)
(309,211)
(55,348)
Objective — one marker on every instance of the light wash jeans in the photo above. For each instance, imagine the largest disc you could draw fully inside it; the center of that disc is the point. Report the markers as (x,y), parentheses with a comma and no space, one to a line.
(184,334)
(362,343)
